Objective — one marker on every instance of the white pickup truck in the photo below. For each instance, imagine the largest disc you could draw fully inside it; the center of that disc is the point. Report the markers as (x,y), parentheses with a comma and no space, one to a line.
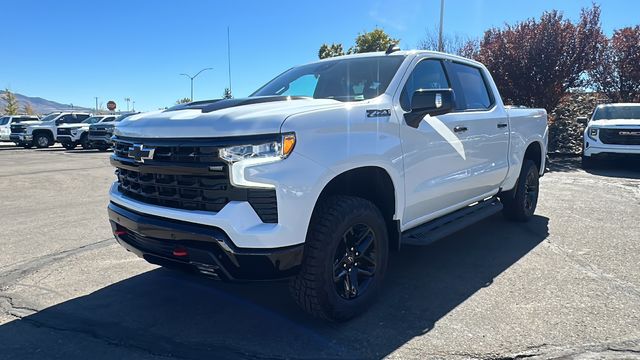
(614,129)
(323,171)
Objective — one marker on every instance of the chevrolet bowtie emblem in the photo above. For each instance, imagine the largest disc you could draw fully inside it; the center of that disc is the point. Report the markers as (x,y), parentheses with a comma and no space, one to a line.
(140,153)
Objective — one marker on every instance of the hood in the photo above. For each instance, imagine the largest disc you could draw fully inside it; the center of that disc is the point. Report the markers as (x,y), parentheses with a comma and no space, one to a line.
(615,122)
(234,117)
(73,126)
(41,125)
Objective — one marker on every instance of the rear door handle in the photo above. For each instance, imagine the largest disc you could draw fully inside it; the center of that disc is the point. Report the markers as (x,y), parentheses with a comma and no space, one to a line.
(460,129)
(501,125)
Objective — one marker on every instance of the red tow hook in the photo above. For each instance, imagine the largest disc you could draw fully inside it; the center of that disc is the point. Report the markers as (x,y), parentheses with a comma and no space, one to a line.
(180,252)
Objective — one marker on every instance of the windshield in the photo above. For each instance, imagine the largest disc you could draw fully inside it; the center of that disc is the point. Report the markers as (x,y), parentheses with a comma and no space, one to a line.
(92,120)
(50,117)
(4,120)
(122,117)
(617,112)
(352,79)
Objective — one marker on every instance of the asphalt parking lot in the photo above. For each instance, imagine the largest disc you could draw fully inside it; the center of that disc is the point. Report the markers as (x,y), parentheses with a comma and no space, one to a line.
(565,285)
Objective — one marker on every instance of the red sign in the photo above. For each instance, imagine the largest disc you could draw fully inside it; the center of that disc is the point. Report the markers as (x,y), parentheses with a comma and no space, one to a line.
(111,105)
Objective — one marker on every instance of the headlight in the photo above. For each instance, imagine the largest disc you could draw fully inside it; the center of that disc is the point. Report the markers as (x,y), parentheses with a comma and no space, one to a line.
(593,133)
(241,157)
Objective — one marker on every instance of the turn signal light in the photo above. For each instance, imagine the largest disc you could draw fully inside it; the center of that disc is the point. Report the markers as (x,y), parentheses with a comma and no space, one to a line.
(180,252)
(288,142)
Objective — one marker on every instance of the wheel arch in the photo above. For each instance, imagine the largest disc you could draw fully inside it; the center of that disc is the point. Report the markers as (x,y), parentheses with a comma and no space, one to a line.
(373,183)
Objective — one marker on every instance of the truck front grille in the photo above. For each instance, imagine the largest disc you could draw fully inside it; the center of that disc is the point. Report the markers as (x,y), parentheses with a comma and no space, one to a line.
(179,176)
(18,129)
(620,136)
(64,131)
(98,132)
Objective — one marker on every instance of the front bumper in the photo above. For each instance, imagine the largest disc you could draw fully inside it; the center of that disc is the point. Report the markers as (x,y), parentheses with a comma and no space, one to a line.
(204,249)
(65,139)
(102,140)
(5,137)
(21,137)
(596,148)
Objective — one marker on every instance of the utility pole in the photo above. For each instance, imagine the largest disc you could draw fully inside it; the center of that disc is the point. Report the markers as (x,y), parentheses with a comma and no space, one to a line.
(95,97)
(193,77)
(229,56)
(440,45)
(133,108)
(127,100)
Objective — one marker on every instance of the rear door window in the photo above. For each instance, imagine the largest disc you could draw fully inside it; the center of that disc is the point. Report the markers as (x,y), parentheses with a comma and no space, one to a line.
(470,87)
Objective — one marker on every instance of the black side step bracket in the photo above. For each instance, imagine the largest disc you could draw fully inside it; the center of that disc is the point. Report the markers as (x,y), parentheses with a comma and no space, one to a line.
(446,225)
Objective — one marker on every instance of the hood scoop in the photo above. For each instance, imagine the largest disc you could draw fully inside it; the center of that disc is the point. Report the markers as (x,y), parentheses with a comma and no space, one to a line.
(208,106)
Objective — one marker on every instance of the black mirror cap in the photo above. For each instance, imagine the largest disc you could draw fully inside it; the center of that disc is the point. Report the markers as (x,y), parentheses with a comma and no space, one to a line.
(433,102)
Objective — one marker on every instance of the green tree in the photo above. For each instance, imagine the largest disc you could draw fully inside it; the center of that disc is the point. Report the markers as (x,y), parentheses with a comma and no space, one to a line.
(11,104)
(28,109)
(183,101)
(227,94)
(376,40)
(327,51)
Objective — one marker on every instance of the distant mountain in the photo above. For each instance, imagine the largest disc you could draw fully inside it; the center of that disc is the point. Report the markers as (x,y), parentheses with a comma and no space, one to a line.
(40,105)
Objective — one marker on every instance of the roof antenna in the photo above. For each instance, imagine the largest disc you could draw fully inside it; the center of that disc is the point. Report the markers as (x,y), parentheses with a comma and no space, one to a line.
(392,48)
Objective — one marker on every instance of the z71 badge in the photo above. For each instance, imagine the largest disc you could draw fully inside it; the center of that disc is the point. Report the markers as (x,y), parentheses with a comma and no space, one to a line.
(378,113)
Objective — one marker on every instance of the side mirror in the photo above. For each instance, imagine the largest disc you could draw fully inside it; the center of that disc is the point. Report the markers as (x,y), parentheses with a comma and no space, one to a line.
(59,121)
(432,102)
(582,120)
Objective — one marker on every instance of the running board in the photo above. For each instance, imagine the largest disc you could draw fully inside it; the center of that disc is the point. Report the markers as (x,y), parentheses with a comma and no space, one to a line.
(446,225)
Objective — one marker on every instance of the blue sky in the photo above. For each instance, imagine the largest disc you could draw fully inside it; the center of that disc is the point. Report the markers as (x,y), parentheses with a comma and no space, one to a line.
(71,51)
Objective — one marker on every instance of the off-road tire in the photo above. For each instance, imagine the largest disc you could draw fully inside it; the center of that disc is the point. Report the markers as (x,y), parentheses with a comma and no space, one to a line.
(84,142)
(69,146)
(314,288)
(519,203)
(102,148)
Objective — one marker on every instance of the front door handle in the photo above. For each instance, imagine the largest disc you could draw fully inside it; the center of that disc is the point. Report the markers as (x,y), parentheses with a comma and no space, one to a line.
(502,125)
(460,129)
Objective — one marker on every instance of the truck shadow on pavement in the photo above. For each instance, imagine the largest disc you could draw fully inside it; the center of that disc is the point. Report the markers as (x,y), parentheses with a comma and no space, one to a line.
(165,313)
(615,167)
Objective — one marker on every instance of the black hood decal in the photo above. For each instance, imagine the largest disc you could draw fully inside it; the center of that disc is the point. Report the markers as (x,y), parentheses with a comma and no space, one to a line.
(208,106)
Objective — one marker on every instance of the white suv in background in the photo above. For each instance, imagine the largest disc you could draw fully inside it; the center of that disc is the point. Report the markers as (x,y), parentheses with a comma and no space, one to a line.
(614,129)
(6,121)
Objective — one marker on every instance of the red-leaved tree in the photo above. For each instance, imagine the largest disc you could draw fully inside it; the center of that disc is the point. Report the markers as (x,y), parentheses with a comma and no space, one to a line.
(535,62)
(617,72)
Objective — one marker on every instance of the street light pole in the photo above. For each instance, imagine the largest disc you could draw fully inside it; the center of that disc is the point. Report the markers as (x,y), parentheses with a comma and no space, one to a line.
(440,45)
(193,77)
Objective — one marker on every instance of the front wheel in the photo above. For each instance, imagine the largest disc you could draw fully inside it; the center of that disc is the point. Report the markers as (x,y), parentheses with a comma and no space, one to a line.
(84,142)
(41,140)
(345,259)
(69,146)
(520,203)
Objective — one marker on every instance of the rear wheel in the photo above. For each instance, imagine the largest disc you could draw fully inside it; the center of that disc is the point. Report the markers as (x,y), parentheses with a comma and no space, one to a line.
(520,203)
(102,147)
(41,140)
(345,259)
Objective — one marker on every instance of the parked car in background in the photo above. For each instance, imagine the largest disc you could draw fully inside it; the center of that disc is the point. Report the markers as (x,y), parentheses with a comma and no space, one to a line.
(613,130)
(325,170)
(7,120)
(43,133)
(72,135)
(100,133)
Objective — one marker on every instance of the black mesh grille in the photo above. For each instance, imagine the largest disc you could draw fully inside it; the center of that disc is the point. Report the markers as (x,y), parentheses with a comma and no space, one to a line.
(620,136)
(18,129)
(185,182)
